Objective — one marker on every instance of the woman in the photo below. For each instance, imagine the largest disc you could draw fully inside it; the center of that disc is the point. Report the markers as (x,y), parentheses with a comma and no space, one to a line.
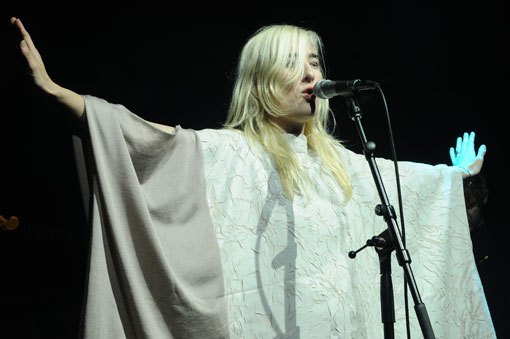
(287,202)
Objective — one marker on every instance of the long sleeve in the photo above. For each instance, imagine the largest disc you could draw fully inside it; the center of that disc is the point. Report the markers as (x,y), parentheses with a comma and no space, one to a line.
(438,240)
(154,266)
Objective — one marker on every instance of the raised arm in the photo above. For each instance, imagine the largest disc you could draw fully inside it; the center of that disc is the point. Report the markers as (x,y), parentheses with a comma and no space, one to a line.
(72,100)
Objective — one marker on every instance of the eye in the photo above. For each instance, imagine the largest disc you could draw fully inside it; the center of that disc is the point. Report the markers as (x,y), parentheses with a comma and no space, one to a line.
(314,64)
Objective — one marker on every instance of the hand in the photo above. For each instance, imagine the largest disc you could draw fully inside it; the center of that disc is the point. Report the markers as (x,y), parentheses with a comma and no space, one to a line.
(35,62)
(464,156)
(70,99)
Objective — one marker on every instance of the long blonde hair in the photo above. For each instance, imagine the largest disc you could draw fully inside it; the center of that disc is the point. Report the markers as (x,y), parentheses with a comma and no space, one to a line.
(258,89)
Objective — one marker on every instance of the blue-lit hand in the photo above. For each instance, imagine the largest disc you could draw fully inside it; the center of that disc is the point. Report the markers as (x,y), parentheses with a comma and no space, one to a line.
(465,157)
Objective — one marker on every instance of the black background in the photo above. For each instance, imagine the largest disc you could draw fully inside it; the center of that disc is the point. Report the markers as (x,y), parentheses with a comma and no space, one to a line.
(442,70)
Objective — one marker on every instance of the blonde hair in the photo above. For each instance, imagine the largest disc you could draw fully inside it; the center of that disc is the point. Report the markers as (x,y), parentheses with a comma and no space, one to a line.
(260,86)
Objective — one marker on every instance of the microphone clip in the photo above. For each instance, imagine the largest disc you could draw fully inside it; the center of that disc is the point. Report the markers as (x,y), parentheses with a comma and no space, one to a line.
(380,242)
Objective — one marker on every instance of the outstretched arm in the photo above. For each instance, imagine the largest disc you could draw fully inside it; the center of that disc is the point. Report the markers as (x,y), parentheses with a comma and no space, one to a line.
(67,97)
(70,99)
(465,157)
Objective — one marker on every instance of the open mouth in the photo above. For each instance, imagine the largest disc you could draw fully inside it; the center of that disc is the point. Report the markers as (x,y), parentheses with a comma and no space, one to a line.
(311,101)
(308,94)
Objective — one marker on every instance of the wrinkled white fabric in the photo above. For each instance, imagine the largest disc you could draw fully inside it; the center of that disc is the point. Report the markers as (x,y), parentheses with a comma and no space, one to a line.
(286,269)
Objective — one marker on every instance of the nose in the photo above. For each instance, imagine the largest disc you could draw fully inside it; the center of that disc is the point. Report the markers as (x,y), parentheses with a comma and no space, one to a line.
(309,74)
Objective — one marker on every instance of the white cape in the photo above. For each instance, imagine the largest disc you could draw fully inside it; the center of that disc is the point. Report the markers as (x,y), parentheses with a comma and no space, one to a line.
(155,269)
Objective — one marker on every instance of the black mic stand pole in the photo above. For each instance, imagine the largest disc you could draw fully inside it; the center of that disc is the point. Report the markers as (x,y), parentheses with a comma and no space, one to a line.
(388,212)
(384,248)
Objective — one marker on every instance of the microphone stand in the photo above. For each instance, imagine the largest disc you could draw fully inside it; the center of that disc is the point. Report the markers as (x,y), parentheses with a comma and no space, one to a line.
(395,241)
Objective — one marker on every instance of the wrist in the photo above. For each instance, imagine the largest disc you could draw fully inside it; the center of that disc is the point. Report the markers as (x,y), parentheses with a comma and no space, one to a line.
(466,172)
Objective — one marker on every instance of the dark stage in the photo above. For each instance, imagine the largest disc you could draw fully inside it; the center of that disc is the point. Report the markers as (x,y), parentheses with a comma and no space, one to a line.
(441,69)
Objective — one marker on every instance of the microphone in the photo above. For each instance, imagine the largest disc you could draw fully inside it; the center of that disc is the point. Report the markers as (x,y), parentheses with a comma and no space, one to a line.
(326,89)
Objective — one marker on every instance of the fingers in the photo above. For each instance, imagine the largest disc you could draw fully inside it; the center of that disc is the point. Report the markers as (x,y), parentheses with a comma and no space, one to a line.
(465,142)
(481,152)
(471,141)
(21,28)
(27,53)
(452,156)
(24,33)
(27,45)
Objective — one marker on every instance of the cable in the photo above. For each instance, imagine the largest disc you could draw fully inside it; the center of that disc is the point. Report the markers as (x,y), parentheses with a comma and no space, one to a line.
(401,208)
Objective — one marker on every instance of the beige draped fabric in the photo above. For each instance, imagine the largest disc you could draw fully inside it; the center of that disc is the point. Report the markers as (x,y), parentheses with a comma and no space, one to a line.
(154,269)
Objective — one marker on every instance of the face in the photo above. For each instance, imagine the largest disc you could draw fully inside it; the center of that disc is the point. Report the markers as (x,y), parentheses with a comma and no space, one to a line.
(299,103)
